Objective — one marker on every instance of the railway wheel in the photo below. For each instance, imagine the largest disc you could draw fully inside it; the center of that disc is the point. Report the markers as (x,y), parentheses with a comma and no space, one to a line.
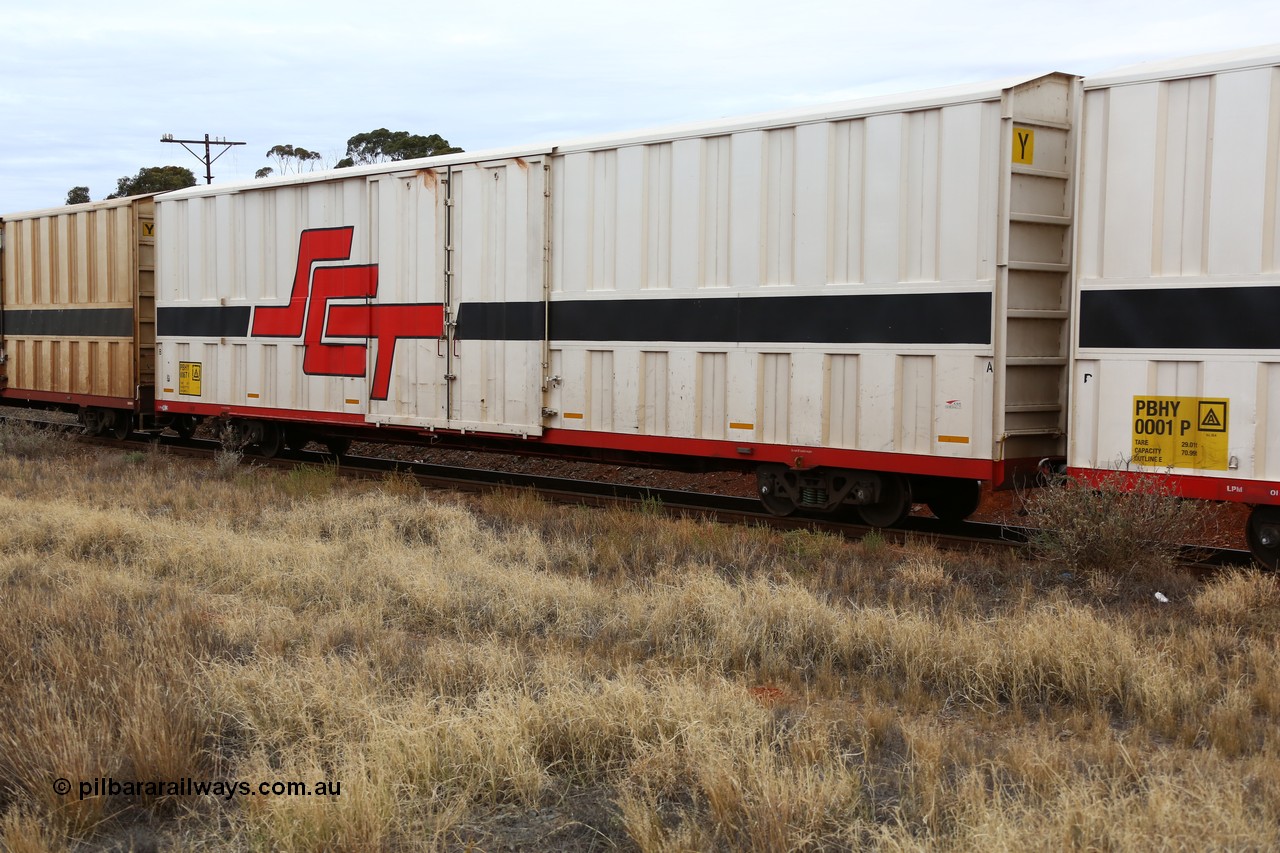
(183,425)
(295,438)
(118,424)
(337,447)
(268,439)
(90,421)
(892,506)
(956,500)
(776,503)
(1264,536)
(772,489)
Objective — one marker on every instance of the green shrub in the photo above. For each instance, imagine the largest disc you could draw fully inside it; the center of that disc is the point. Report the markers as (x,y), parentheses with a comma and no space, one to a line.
(1111,529)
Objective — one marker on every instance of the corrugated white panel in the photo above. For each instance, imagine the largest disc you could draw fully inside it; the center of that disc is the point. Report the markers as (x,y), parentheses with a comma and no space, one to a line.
(682,386)
(1108,391)
(1267,435)
(840,416)
(1183,175)
(604,237)
(599,414)
(654,393)
(574,231)
(1130,183)
(877,397)
(1238,383)
(814,202)
(657,193)
(1271,181)
(631,236)
(808,383)
(1178,191)
(1239,161)
(774,394)
(407,230)
(1180,166)
(882,242)
(960,401)
(685,214)
(920,228)
(498,237)
(781,206)
(966,172)
(712,393)
(716,213)
(847,225)
(915,404)
(784,206)
(625,389)
(1083,424)
(746,224)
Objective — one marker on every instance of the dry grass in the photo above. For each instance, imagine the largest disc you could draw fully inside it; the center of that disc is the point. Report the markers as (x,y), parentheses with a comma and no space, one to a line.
(511,674)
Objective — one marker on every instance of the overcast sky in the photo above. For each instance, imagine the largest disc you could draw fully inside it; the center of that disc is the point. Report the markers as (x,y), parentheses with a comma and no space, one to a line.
(88,88)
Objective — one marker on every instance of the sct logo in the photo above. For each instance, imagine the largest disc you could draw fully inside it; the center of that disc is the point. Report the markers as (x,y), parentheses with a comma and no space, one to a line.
(310,316)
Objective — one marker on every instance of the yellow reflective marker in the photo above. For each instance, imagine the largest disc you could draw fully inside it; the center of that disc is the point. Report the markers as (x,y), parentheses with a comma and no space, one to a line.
(1024,145)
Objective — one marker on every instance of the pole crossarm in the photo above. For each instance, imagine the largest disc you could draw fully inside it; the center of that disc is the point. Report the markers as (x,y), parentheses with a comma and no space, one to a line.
(208,159)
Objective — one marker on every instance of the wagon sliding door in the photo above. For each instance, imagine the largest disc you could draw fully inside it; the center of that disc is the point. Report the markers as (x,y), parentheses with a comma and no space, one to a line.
(497,277)
(407,351)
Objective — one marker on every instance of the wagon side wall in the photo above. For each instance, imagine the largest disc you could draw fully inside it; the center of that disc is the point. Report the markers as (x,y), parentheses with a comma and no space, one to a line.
(1177,349)
(77,288)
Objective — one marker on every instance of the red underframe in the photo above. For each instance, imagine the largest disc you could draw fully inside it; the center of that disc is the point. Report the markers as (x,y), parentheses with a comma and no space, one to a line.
(1188,486)
(69,399)
(743,452)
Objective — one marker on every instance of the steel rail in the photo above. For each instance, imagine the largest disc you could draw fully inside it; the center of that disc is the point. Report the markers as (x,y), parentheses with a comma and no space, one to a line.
(724,508)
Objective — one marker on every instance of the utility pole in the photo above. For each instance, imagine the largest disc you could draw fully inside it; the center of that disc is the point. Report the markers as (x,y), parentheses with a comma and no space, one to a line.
(206,159)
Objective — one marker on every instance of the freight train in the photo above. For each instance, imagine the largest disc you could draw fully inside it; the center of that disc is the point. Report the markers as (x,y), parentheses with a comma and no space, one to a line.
(868,305)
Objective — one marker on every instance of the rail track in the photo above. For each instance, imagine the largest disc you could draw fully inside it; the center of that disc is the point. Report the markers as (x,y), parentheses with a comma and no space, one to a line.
(727,509)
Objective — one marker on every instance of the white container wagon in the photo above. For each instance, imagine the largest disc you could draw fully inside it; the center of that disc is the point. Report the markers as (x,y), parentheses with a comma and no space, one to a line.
(866,304)
(1176,371)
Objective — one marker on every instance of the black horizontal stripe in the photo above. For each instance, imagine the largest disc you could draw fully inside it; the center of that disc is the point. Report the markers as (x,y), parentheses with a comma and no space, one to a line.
(203,321)
(70,322)
(1226,318)
(500,321)
(915,318)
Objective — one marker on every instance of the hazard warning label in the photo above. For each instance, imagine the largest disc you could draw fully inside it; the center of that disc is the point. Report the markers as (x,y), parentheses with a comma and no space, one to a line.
(1180,432)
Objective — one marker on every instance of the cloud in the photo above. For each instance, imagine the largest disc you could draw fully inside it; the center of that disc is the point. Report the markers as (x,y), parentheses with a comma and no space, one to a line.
(89,89)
